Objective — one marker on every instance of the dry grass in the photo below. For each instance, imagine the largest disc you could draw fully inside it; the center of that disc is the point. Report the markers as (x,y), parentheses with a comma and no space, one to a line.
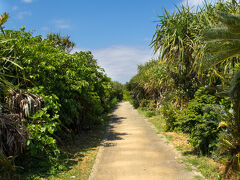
(178,139)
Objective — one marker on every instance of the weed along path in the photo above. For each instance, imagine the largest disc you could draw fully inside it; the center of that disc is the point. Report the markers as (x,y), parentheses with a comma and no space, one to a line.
(132,150)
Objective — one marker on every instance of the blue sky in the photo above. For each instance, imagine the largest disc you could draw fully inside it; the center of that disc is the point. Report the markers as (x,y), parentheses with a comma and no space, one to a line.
(118,32)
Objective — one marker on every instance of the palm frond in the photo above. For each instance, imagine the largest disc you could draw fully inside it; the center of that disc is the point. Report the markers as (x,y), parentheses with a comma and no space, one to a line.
(231,21)
(215,59)
(222,33)
(3,18)
(23,103)
(12,134)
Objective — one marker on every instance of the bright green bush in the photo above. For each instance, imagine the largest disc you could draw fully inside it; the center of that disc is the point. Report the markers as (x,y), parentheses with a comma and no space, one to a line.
(126,95)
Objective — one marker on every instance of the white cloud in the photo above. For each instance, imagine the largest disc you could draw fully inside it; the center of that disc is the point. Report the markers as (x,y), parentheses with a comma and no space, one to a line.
(27,1)
(192,2)
(120,62)
(14,8)
(61,23)
(22,14)
(196,3)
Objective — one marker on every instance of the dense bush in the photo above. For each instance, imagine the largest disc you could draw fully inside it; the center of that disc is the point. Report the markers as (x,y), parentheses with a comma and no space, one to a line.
(54,94)
(150,84)
(75,79)
(201,119)
(170,115)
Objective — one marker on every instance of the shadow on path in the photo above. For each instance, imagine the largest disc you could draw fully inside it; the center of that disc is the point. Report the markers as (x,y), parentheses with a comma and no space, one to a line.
(111,135)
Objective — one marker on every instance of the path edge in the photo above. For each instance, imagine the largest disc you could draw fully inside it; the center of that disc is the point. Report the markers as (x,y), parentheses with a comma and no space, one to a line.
(99,154)
(178,155)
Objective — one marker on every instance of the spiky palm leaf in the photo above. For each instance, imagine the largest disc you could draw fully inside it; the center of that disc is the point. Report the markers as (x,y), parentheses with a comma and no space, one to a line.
(3,19)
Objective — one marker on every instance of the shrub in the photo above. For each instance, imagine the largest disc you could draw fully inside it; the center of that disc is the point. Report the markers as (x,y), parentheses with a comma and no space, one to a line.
(170,115)
(201,119)
(41,146)
(150,113)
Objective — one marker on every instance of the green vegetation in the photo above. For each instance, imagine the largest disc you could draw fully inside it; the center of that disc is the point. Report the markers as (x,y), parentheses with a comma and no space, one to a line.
(47,97)
(194,83)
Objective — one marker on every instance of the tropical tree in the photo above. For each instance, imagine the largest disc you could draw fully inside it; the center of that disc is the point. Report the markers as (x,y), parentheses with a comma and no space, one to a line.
(176,40)
(12,138)
(3,20)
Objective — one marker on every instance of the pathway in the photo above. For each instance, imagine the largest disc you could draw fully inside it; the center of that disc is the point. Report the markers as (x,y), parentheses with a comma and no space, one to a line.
(133,151)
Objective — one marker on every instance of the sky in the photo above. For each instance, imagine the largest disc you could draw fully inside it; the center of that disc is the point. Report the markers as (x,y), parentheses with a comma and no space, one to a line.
(117,32)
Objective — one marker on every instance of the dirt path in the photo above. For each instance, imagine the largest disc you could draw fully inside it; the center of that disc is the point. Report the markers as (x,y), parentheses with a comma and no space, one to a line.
(133,151)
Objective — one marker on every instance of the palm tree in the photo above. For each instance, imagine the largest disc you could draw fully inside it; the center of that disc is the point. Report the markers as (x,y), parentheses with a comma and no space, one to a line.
(62,42)
(224,44)
(176,41)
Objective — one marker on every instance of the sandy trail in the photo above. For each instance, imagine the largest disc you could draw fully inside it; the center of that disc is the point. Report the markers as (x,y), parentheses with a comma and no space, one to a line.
(132,150)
